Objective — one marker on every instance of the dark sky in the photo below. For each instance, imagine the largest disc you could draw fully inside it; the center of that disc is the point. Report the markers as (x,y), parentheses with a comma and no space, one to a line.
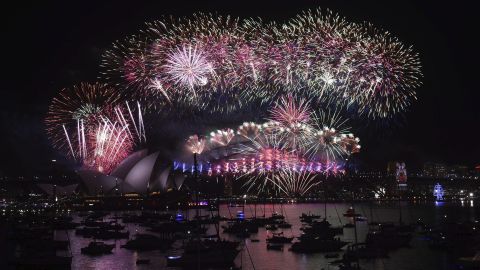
(51,45)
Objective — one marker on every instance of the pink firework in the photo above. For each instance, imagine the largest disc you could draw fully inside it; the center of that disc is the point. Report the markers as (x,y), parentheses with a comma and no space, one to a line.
(109,145)
(90,125)
(288,112)
(127,64)
(100,146)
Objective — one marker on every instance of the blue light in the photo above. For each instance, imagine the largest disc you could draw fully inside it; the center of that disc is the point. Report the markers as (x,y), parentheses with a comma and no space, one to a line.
(240,215)
(438,192)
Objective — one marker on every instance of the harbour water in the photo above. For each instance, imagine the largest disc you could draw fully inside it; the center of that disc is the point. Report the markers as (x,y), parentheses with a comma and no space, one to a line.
(255,255)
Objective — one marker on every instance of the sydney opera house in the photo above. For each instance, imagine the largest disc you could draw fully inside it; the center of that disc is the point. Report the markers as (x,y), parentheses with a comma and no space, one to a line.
(140,173)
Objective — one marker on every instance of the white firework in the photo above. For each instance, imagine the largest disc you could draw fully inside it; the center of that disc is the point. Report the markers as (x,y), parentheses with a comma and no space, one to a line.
(331,138)
(195,144)
(294,183)
(188,67)
(158,85)
(222,137)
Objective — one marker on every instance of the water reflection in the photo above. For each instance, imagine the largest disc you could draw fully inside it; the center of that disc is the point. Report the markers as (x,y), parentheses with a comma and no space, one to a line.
(261,258)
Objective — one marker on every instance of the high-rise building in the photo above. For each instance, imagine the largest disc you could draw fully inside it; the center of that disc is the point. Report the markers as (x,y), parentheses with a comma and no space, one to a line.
(440,170)
(437,170)
(401,174)
(428,169)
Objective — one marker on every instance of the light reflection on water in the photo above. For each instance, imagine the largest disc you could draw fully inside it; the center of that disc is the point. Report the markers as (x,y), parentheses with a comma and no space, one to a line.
(419,256)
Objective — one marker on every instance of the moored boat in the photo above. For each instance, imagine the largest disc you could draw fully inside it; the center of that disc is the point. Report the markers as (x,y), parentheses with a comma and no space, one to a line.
(97,248)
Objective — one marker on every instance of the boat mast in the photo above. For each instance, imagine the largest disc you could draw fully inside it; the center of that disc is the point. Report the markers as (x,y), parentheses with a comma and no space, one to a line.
(325,201)
(354,218)
(195,177)
(371,211)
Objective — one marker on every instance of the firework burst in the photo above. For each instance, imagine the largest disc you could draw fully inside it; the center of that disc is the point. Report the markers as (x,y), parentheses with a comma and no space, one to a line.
(330,139)
(286,156)
(91,124)
(86,103)
(228,63)
(188,67)
(222,137)
(213,66)
(289,112)
(195,144)
(107,147)
(126,66)
(249,130)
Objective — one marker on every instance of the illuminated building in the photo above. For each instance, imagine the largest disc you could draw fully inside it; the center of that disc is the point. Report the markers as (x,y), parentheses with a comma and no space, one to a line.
(438,192)
(436,170)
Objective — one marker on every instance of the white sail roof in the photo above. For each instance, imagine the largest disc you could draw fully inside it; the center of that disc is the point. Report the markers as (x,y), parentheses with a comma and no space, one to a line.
(139,176)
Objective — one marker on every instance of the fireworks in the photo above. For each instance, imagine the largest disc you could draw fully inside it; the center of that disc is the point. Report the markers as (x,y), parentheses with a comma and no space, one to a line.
(85,103)
(99,146)
(290,113)
(109,145)
(188,67)
(217,67)
(320,137)
(92,125)
(290,121)
(222,137)
(249,130)
(126,66)
(211,59)
(288,155)
(195,144)
(294,183)
(331,138)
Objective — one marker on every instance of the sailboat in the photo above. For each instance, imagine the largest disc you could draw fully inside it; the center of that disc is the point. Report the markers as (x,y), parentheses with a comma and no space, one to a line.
(205,253)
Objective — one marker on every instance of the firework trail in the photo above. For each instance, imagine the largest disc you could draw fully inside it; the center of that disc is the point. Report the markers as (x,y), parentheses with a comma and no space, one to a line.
(91,125)
(294,183)
(100,146)
(109,146)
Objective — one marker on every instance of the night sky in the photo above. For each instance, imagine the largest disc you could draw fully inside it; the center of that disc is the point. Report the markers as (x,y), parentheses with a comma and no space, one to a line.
(49,46)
